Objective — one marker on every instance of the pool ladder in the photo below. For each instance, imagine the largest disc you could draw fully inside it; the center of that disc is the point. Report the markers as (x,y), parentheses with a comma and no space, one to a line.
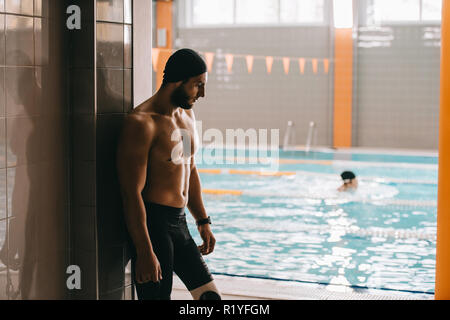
(311,136)
(289,136)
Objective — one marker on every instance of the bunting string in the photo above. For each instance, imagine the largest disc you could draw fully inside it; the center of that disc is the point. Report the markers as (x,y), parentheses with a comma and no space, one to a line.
(249,59)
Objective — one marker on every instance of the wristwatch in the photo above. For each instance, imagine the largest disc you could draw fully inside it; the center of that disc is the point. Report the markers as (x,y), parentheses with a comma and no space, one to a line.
(203,221)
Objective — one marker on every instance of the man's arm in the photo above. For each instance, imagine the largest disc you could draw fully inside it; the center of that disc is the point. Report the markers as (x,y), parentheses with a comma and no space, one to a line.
(132,157)
(197,209)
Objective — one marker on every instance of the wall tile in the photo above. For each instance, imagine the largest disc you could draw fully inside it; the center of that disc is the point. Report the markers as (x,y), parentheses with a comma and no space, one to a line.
(128,91)
(3,257)
(41,41)
(2,92)
(111,268)
(25,7)
(2,39)
(82,44)
(41,8)
(20,89)
(128,49)
(38,8)
(2,5)
(128,11)
(83,130)
(84,183)
(82,91)
(111,222)
(110,10)
(110,91)
(2,143)
(24,192)
(23,141)
(83,228)
(19,41)
(3,213)
(110,45)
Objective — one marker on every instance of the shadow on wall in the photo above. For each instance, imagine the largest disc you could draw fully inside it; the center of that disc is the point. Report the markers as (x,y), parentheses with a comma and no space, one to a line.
(34,249)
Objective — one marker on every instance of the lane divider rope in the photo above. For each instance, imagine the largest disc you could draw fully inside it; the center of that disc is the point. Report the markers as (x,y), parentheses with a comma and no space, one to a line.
(395,202)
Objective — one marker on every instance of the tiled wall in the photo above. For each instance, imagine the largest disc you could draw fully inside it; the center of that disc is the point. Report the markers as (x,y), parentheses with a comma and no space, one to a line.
(260,100)
(34,203)
(397,97)
(102,95)
(114,100)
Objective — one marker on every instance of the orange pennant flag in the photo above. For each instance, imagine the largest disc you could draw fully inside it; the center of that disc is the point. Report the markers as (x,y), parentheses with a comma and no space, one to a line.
(314,65)
(249,60)
(209,57)
(155,57)
(286,62)
(326,65)
(301,63)
(269,63)
(229,60)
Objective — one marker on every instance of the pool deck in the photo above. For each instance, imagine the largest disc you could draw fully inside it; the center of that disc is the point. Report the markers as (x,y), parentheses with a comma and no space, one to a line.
(242,288)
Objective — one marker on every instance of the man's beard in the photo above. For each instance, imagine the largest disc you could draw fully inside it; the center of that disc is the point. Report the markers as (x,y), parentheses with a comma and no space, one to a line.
(180,98)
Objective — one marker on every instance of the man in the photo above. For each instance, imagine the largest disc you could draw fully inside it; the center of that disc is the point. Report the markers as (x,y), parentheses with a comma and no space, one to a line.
(159,179)
(350,181)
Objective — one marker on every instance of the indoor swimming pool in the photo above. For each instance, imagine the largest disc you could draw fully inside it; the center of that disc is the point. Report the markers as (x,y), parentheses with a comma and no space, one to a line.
(294,225)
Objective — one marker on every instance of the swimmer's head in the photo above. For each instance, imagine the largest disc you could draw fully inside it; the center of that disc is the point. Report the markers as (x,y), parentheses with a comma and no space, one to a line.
(188,70)
(350,181)
(347,176)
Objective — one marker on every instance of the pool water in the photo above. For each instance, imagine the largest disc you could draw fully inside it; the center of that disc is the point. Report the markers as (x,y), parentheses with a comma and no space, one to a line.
(298,227)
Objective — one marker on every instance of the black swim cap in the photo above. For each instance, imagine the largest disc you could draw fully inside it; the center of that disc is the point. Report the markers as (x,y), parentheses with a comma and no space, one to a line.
(182,65)
(347,175)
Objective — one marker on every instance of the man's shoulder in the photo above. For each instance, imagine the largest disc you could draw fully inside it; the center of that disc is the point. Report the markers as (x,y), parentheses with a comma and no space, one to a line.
(140,122)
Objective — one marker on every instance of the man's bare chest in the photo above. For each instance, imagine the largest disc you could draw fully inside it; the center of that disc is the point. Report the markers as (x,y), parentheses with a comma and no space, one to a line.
(176,142)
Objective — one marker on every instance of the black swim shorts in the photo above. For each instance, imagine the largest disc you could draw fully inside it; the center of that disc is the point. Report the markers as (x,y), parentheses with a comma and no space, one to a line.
(176,251)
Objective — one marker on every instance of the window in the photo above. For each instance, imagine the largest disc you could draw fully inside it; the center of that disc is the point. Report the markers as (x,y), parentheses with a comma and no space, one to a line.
(254,12)
(431,10)
(295,11)
(379,11)
(212,12)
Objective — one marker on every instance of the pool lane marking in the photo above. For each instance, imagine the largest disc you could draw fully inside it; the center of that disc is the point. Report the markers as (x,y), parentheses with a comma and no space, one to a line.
(393,202)
(345,163)
(221,192)
(315,174)
(247,172)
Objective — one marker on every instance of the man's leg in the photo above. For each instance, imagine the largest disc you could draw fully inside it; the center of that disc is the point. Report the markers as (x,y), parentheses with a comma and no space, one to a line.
(191,268)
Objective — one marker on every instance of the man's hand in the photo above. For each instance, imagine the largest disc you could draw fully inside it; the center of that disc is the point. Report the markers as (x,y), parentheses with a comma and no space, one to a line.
(208,239)
(148,268)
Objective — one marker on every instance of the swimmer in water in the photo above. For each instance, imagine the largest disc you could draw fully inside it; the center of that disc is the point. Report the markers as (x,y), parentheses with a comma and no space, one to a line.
(350,181)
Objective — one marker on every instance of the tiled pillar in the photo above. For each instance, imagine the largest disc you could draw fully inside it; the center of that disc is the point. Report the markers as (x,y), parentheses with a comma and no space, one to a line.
(102,94)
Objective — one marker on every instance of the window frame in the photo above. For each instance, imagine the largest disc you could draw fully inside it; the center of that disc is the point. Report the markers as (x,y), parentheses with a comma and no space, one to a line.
(186,19)
(363,10)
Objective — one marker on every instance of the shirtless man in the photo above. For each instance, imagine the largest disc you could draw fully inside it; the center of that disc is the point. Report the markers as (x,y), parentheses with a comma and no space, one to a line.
(158,179)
